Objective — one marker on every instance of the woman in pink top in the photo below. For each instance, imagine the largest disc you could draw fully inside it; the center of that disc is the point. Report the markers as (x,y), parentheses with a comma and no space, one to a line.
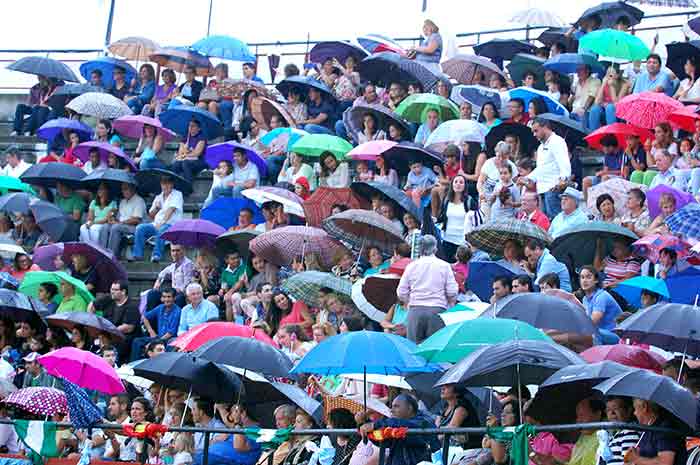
(23,264)
(284,312)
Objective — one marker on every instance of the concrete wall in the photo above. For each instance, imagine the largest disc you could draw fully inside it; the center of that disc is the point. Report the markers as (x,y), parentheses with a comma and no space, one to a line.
(8,102)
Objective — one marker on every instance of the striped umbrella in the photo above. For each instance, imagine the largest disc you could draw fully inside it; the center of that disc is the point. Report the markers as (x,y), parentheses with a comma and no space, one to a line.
(686,221)
(362,229)
(306,286)
(466,69)
(99,105)
(282,245)
(492,236)
(180,57)
(319,205)
(39,400)
(133,48)
(235,88)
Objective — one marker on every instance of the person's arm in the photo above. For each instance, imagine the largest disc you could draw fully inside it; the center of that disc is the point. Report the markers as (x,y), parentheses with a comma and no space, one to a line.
(403,290)
(197,151)
(147,92)
(182,326)
(480,160)
(90,216)
(598,260)
(157,143)
(318,119)
(306,316)
(429,48)
(172,326)
(600,95)
(664,457)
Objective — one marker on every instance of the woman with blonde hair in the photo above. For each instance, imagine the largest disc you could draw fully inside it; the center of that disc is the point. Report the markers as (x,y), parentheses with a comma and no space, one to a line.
(429,51)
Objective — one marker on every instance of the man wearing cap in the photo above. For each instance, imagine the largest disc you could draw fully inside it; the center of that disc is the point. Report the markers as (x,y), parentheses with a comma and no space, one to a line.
(570,214)
(14,165)
(34,374)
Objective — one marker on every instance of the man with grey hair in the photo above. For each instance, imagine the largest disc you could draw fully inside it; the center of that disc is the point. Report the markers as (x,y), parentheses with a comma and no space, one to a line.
(199,310)
(427,288)
(15,166)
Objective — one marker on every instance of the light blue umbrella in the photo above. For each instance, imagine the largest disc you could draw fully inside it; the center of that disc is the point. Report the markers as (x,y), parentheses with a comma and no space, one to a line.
(631,289)
(567,63)
(226,47)
(178,119)
(107,65)
(527,94)
(292,135)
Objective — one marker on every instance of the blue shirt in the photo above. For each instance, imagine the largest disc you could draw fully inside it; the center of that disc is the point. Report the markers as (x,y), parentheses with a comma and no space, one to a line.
(563,221)
(548,264)
(166,321)
(424,180)
(193,316)
(602,301)
(645,83)
(314,110)
(145,93)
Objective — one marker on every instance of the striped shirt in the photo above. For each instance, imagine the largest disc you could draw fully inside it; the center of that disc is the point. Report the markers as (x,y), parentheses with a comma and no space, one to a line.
(619,443)
(616,270)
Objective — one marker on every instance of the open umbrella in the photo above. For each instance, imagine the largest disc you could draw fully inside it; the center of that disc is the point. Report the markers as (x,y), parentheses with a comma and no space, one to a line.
(126,374)
(402,203)
(306,286)
(571,130)
(282,245)
(112,177)
(44,66)
(537,17)
(132,126)
(456,131)
(491,237)
(376,294)
(314,145)
(284,138)
(12,184)
(52,128)
(672,327)
(470,69)
(575,245)
(650,246)
(685,118)
(617,188)
(106,65)
(631,356)
(621,131)
(99,105)
(685,221)
(236,241)
(336,49)
(178,119)
(352,118)
(49,218)
(194,233)
(291,202)
(482,274)
(383,68)
(105,149)
(415,107)
(148,181)
(83,368)
(611,43)
(375,43)
(401,154)
(609,14)
(34,279)
(568,63)
(133,48)
(237,88)
(94,324)
(48,174)
(16,202)
(301,85)
(631,289)
(15,306)
(501,50)
(201,334)
(683,287)
(319,205)
(554,35)
(263,109)
(8,251)
(362,229)
(216,153)
(527,63)
(477,96)
(43,401)
(224,211)
(226,47)
(248,354)
(180,57)
(654,197)
(527,94)
(646,109)
(527,141)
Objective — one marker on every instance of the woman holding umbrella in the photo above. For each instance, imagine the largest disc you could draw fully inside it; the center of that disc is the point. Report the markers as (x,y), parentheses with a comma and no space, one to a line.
(296,108)
(101,210)
(600,306)
(188,161)
(294,168)
(384,173)
(150,145)
(370,131)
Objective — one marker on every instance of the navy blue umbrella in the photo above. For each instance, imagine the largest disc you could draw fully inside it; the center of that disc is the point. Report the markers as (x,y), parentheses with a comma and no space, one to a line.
(301,85)
(49,218)
(557,35)
(55,127)
(338,49)
(568,63)
(400,156)
(42,66)
(402,202)
(16,202)
(678,53)
(482,274)
(387,67)
(248,354)
(48,174)
(528,142)
(684,287)
(610,12)
(224,211)
(15,306)
(107,65)
(113,178)
(569,129)
(148,181)
(672,327)
(178,120)
(478,96)
(500,50)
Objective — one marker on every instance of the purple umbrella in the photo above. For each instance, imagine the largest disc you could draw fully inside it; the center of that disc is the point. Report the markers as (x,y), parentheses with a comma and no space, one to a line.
(54,127)
(193,233)
(82,151)
(224,152)
(107,267)
(132,126)
(654,195)
(339,50)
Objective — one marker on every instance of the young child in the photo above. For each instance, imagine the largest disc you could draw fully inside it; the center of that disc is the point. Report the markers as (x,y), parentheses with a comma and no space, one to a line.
(234,279)
(223,174)
(506,195)
(419,181)
(302,188)
(184,447)
(364,174)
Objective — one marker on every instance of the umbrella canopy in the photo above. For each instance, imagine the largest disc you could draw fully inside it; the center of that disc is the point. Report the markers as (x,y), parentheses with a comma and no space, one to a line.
(612,43)
(672,327)
(650,246)
(527,63)
(477,96)
(301,86)
(482,274)
(306,286)
(683,286)
(375,43)
(48,174)
(15,306)
(216,153)
(263,109)
(194,233)
(180,57)
(113,178)
(284,138)
(225,212)
(66,92)
(99,105)
(9,250)
(44,401)
(52,128)
(527,94)
(201,334)
(33,279)
(10,184)
(646,109)
(654,196)
(133,48)
(226,47)
(368,352)
(685,118)
(510,364)
(527,141)
(237,88)
(568,128)
(148,181)
(402,203)
(336,49)
(631,289)
(178,120)
(282,245)
(49,218)
(677,55)
(126,374)
(661,390)
(362,229)
(542,311)
(94,324)
(248,354)
(617,188)
(416,107)
(568,63)
(105,149)
(319,205)
(375,295)
(383,68)
(353,119)
(454,342)
(685,221)
(132,126)
(314,145)
(456,132)
(106,66)
(401,154)
(503,49)
(16,202)
(631,356)
(291,202)
(43,66)
(559,35)
(491,237)
(610,13)
(83,368)
(537,17)
(236,241)
(470,69)
(574,245)
(621,131)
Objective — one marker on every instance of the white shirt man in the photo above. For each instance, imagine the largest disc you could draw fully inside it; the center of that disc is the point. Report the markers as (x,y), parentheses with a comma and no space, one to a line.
(553,164)
(15,166)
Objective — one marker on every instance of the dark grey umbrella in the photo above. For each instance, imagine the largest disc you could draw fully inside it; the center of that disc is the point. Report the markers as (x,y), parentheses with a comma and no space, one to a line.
(16,202)
(386,67)
(113,178)
(302,84)
(673,327)
(571,130)
(48,174)
(236,241)
(42,66)
(149,181)
(402,202)
(353,116)
(610,12)
(50,218)
(249,354)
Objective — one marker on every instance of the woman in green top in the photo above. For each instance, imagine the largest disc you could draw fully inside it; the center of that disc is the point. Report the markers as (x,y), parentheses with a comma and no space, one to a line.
(71,302)
(100,211)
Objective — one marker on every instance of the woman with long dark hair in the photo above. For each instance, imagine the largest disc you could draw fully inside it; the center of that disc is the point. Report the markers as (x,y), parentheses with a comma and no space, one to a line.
(284,312)
(453,215)
(489,116)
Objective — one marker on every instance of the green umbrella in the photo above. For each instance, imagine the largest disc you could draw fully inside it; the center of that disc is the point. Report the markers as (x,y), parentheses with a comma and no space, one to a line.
(610,43)
(307,285)
(452,343)
(10,184)
(33,279)
(314,145)
(415,108)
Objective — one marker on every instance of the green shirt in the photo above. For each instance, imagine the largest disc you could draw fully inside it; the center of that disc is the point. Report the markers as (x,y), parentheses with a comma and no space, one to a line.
(101,213)
(70,204)
(232,277)
(72,304)
(585,450)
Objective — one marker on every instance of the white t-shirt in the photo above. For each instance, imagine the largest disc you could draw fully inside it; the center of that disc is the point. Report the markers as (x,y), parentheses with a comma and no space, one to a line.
(456,216)
(694,92)
(134,207)
(175,201)
(182,458)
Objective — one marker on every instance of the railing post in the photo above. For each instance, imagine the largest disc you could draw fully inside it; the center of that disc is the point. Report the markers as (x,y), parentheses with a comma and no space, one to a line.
(205,452)
(445,448)
(382,455)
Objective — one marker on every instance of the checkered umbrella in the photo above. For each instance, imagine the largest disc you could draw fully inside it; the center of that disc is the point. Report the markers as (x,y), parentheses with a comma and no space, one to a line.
(319,205)
(362,229)
(281,245)
(492,236)
(39,400)
(466,69)
(99,105)
(686,221)
(305,286)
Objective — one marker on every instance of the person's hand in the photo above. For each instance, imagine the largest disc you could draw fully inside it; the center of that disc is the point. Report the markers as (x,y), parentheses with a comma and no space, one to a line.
(632,455)
(366,429)
(656,38)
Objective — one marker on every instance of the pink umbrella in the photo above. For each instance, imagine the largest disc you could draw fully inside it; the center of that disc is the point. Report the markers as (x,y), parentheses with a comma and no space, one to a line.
(39,400)
(654,197)
(646,109)
(105,149)
(370,150)
(132,126)
(685,118)
(83,368)
(651,246)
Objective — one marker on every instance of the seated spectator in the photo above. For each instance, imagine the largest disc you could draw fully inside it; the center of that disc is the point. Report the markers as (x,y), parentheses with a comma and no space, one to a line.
(689,89)
(131,212)
(667,174)
(150,146)
(432,121)
(654,79)
(521,284)
(613,164)
(177,276)
(68,156)
(544,263)
(102,209)
(637,219)
(163,94)
(70,302)
(419,181)
(667,207)
(207,274)
(165,211)
(518,115)
(245,176)
(489,116)
(189,160)
(332,172)
(249,72)
(120,88)
(123,314)
(47,293)
(319,114)
(607,213)
(585,91)
(370,130)
(669,264)
(284,311)
(620,265)
(223,107)
(620,409)
(73,207)
(199,310)
(296,108)
(81,269)
(94,162)
(613,88)
(188,92)
(501,287)
(22,265)
(15,166)
(655,447)
(145,89)
(27,233)
(599,304)
(34,373)
(235,448)
(161,323)
(37,108)
(245,218)
(384,173)
(529,209)
(570,214)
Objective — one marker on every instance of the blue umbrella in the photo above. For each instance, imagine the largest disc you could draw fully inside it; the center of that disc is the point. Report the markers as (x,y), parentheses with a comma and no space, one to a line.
(228,48)
(478,96)
(610,12)
(302,84)
(568,63)
(48,174)
(224,152)
(684,287)
(178,119)
(107,65)
(686,221)
(527,94)
(224,211)
(338,49)
(83,413)
(16,202)
(631,289)
(52,128)
(42,66)
(293,135)
(482,274)
(402,202)
(50,218)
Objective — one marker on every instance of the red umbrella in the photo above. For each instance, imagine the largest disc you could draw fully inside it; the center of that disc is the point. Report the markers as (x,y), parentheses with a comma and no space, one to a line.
(201,334)
(319,205)
(685,118)
(620,130)
(632,356)
(646,109)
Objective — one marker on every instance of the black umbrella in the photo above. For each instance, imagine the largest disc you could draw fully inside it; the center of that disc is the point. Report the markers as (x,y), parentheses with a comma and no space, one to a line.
(15,306)
(402,203)
(678,54)
(236,241)
(48,174)
(49,218)
(94,324)
(43,66)
(148,181)
(16,202)
(569,129)
(555,35)
(400,156)
(249,354)
(352,117)
(511,363)
(113,178)
(542,311)
(673,327)
(338,49)
(386,67)
(302,84)
(662,390)
(188,373)
(610,12)
(528,142)
(500,50)
(525,62)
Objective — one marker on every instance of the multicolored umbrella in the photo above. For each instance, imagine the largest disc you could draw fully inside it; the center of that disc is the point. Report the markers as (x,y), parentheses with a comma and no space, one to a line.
(263,109)
(83,368)
(236,241)
(470,69)
(43,401)
(282,138)
(319,205)
(654,196)
(179,58)
(685,221)
(106,65)
(52,128)
(201,334)
(371,150)
(99,105)
(575,245)
(383,68)
(226,47)
(646,109)
(491,237)
(314,145)
(375,43)
(621,131)
(631,289)
(105,149)
(291,202)
(353,119)
(34,279)
(216,153)
(362,229)
(376,294)
(611,43)
(178,120)
(237,88)
(95,325)
(685,118)
(336,49)
(194,233)
(133,48)
(650,247)
(282,245)
(416,107)
(617,188)
(44,66)
(132,126)
(456,131)
(306,286)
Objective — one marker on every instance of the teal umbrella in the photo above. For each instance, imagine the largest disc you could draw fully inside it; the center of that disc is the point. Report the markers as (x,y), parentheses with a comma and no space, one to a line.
(610,43)
(631,289)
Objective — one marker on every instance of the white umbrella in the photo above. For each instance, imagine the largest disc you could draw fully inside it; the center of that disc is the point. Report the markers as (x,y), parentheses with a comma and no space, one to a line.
(99,105)
(9,250)
(261,196)
(456,132)
(537,17)
(126,373)
(386,380)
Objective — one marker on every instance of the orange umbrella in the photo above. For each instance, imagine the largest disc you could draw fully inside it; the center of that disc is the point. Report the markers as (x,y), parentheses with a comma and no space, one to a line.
(319,205)
(133,48)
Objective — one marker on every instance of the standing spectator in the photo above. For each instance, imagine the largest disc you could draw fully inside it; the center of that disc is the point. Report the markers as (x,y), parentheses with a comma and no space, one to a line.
(132,210)
(529,209)
(37,107)
(505,197)
(544,263)
(453,215)
(15,166)
(178,274)
(570,214)
(198,311)
(188,161)
(166,320)
(122,313)
(654,79)
(429,52)
(427,288)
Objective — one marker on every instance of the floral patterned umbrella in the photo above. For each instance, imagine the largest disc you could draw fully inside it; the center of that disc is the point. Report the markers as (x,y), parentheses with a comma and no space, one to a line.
(39,400)
(646,109)
(651,246)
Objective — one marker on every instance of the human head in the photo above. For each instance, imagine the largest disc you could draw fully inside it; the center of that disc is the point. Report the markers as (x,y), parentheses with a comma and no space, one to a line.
(166,184)
(675,367)
(609,144)
(646,411)
(465,110)
(194,127)
(109,354)
(341,418)
(118,406)
(569,200)
(47,291)
(13,156)
(521,283)
(291,69)
(432,118)
(240,157)
(194,294)
(542,129)
(583,72)
(404,407)
(177,252)
(119,290)
(664,160)
(635,199)
(619,409)
(505,175)
(516,107)
(321,331)
(428,245)
(168,76)
(155,348)
(530,201)
(285,415)
(653,64)
(510,415)
(501,287)
(533,250)
(350,324)
(221,71)
(589,279)
(667,204)
(529,79)
(589,410)
(605,205)
(488,111)
(328,162)
(202,411)
(96,77)
(549,281)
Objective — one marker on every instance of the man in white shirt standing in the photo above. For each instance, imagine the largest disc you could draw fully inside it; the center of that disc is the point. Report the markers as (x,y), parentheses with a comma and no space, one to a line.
(553,167)
(245,176)
(15,166)
(166,210)
(132,210)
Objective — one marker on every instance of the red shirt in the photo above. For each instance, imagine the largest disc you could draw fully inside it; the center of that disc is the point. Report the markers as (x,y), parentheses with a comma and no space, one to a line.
(451,171)
(537,217)
(524,118)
